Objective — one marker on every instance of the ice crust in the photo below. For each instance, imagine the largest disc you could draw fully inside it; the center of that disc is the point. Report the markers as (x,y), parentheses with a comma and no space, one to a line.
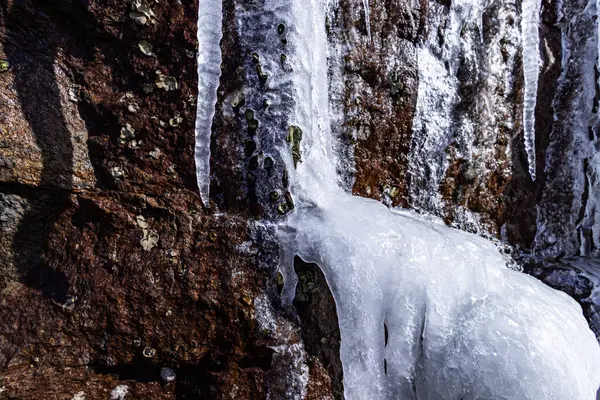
(210,17)
(447,127)
(568,215)
(531,69)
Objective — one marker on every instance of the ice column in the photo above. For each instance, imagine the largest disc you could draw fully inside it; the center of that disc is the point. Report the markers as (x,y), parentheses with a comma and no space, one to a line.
(209,71)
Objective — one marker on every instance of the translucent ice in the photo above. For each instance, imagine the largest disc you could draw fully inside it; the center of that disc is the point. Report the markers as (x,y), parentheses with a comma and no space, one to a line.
(568,217)
(531,68)
(209,71)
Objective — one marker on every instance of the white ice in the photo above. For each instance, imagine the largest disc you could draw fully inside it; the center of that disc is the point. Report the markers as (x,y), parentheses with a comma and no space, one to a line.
(531,66)
(367,11)
(461,325)
(210,17)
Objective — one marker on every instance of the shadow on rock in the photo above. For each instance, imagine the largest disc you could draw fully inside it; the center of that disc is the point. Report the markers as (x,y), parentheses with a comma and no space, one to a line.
(36,31)
(320,329)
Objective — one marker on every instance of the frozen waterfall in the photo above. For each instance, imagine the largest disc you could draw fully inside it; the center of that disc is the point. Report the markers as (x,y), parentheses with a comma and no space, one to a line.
(425,311)
(460,324)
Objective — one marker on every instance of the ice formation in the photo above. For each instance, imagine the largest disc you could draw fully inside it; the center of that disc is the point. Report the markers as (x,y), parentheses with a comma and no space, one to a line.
(449,126)
(531,67)
(568,215)
(210,17)
(425,311)
(460,323)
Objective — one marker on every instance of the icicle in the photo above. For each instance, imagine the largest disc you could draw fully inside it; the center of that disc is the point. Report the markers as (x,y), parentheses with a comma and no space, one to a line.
(531,66)
(209,71)
(367,18)
(598,36)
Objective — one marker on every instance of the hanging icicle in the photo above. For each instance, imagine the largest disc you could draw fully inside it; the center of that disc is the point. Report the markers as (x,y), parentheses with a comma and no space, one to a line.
(531,67)
(209,72)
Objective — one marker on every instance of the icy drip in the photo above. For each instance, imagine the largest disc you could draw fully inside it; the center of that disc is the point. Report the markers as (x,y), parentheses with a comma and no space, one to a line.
(210,17)
(531,68)
(460,324)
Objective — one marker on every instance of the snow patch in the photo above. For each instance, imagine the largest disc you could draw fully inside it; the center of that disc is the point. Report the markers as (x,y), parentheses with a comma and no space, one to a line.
(79,396)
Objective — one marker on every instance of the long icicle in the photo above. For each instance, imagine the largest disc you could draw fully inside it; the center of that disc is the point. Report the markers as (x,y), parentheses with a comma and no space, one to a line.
(210,20)
(531,66)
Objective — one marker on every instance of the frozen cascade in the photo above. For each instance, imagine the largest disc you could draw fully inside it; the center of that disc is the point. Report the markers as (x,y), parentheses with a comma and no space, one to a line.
(210,17)
(460,324)
(531,68)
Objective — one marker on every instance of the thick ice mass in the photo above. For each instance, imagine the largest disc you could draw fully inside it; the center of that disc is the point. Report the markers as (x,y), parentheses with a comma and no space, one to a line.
(461,325)
(210,17)
(531,68)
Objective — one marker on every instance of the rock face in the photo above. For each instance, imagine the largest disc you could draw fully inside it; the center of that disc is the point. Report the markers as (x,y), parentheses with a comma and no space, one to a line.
(112,269)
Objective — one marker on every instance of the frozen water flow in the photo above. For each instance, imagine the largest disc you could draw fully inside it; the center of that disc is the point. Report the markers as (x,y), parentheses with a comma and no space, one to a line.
(460,324)
(531,68)
(210,17)
(311,101)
